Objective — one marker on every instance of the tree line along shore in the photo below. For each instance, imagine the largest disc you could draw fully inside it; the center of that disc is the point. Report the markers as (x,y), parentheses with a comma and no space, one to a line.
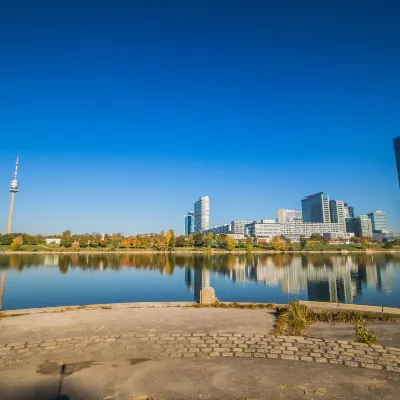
(168,242)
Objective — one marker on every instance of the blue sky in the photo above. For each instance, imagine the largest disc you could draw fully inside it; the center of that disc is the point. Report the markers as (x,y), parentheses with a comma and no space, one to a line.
(124,112)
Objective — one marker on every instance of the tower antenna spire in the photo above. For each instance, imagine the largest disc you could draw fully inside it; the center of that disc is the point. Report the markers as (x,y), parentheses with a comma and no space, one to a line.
(16,169)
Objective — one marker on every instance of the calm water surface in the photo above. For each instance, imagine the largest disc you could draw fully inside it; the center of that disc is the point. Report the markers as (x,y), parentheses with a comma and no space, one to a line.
(29,281)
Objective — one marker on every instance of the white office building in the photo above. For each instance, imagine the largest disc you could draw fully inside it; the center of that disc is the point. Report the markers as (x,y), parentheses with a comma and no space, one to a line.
(306,229)
(285,215)
(202,214)
(265,230)
(238,226)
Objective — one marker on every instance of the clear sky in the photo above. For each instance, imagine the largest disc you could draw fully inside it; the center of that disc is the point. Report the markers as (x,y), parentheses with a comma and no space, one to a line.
(124,112)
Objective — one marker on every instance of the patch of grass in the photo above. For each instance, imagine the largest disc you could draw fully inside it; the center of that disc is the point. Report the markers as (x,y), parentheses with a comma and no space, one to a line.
(294,319)
(3,315)
(106,307)
(350,316)
(252,306)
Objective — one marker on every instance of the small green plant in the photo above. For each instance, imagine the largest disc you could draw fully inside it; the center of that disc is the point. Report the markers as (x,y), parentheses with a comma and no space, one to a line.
(364,335)
(293,320)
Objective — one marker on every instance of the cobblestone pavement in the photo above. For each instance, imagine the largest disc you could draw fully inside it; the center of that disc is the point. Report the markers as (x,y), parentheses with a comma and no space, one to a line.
(200,344)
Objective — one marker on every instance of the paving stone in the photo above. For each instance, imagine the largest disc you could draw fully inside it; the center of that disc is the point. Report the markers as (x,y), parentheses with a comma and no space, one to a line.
(371,366)
(321,360)
(307,359)
(336,362)
(259,355)
(289,357)
(227,354)
(249,350)
(243,355)
(351,363)
(206,349)
(316,355)
(237,350)
(194,350)
(393,369)
(215,354)
(275,351)
(272,356)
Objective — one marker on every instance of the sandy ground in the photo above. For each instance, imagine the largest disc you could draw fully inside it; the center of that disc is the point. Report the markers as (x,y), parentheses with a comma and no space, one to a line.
(133,320)
(198,379)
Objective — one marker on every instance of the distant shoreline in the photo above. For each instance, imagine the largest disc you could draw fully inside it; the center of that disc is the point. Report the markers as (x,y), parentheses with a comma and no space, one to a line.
(211,252)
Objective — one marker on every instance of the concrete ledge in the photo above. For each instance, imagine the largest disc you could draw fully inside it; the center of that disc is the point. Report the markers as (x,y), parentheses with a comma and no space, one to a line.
(97,306)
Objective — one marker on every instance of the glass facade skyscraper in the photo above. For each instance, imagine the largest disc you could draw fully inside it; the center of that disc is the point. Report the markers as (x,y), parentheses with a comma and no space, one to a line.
(378,221)
(316,208)
(189,223)
(337,211)
(396,142)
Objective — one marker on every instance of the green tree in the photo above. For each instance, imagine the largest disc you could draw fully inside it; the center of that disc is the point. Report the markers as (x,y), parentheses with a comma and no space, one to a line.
(115,240)
(249,244)
(198,239)
(65,242)
(303,242)
(316,237)
(230,243)
(181,241)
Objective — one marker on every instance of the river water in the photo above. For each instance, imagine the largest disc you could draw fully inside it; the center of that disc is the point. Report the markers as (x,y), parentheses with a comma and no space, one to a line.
(29,281)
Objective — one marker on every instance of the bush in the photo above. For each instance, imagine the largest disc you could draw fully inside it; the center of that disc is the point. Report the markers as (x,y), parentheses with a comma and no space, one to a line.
(293,320)
(364,335)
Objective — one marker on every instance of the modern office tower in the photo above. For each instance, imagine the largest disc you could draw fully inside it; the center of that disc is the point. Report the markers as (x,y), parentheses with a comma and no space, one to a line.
(13,189)
(237,227)
(202,214)
(285,215)
(361,226)
(336,208)
(396,142)
(348,211)
(189,223)
(316,208)
(378,221)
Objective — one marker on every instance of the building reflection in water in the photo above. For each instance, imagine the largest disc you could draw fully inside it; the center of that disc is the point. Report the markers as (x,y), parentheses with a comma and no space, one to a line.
(197,279)
(322,277)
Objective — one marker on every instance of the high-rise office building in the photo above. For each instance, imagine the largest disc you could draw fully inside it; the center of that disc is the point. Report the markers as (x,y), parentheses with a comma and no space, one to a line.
(189,223)
(336,208)
(378,221)
(396,142)
(202,214)
(316,208)
(361,226)
(285,215)
(348,211)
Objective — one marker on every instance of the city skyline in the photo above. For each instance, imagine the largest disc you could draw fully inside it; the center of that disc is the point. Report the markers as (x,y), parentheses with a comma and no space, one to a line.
(124,114)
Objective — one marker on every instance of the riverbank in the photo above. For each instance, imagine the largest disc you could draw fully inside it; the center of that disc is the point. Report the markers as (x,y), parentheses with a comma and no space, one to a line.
(203,251)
